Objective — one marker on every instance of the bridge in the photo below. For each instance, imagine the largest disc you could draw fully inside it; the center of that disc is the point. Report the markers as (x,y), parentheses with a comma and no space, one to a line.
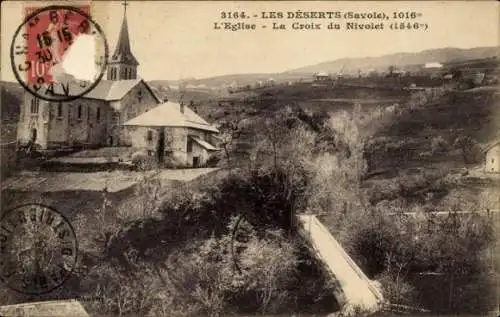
(356,293)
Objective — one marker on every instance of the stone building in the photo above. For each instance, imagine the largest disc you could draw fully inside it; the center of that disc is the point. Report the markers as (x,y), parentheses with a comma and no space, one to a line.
(173,130)
(492,163)
(97,119)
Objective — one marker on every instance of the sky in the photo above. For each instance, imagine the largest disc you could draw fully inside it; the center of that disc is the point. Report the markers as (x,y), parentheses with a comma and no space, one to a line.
(175,40)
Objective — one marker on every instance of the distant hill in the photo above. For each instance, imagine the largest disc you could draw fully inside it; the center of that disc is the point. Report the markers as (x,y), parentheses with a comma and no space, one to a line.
(217,81)
(441,55)
(347,66)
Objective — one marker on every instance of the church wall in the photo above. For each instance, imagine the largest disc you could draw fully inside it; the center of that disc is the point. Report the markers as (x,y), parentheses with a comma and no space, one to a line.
(69,129)
(118,71)
(58,125)
(137,101)
(30,122)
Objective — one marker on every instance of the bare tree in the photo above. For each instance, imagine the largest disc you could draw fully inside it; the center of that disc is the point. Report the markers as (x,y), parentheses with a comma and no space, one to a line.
(230,131)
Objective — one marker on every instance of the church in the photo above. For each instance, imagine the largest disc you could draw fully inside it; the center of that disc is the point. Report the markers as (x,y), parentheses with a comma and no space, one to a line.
(123,110)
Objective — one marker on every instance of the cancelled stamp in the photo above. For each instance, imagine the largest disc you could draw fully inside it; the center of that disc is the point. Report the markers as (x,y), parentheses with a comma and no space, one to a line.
(58,53)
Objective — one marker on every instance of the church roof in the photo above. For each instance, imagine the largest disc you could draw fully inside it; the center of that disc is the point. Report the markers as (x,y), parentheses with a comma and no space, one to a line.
(169,114)
(109,90)
(123,53)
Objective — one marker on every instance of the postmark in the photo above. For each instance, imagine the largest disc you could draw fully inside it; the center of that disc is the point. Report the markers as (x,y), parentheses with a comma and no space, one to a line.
(59,53)
(38,249)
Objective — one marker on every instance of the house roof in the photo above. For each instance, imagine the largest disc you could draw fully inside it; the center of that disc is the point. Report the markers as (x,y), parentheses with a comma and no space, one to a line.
(322,74)
(169,114)
(204,144)
(108,90)
(491,145)
(56,308)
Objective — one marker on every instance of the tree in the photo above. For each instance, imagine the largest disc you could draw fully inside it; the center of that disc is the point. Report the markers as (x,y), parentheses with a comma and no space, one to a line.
(469,149)
(391,70)
(456,73)
(229,132)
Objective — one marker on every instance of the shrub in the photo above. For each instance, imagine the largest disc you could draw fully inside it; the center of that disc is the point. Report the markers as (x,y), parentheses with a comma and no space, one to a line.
(213,160)
(142,161)
(470,149)
(397,289)
(439,145)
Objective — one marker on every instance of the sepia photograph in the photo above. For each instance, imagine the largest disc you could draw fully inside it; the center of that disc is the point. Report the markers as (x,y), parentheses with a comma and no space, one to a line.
(249,158)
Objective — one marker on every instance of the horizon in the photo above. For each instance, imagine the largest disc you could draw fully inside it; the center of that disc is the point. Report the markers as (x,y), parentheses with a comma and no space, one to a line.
(292,70)
(174,40)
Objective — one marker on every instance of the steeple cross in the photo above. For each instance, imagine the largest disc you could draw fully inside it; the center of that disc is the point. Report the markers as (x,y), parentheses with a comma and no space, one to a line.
(125,4)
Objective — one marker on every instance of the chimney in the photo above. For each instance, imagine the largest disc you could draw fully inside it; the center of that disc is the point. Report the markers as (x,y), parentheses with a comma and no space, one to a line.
(182,107)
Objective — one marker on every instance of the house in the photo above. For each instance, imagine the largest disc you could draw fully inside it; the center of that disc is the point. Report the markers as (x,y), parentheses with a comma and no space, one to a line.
(173,130)
(321,77)
(492,161)
(98,118)
(433,65)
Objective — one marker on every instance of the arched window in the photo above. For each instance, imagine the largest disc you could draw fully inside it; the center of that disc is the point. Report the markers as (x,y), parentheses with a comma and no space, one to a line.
(33,135)
(35,104)
(79,111)
(59,109)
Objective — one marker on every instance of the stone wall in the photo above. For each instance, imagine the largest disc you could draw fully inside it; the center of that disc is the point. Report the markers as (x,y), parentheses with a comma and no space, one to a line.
(176,139)
(137,101)
(33,124)
(72,126)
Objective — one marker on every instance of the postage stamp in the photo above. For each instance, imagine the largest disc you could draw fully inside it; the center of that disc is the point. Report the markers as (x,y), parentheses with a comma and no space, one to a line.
(58,53)
(38,249)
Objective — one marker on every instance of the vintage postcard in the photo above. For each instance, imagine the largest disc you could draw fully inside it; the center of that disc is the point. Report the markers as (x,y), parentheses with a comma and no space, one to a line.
(249,158)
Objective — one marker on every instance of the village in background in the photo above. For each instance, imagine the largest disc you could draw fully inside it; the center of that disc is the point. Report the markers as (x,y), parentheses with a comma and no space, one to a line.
(396,157)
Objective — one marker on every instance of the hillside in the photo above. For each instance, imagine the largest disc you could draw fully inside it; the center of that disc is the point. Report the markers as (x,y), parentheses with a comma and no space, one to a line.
(424,136)
(349,66)
(442,55)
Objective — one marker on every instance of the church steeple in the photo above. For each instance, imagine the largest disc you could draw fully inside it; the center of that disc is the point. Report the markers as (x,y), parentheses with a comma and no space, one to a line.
(123,64)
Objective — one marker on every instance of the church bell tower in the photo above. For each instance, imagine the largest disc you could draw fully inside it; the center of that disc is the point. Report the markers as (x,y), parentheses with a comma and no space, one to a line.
(123,64)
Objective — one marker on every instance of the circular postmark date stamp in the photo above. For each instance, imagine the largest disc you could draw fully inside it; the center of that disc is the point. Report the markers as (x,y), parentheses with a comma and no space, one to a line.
(59,53)
(38,249)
